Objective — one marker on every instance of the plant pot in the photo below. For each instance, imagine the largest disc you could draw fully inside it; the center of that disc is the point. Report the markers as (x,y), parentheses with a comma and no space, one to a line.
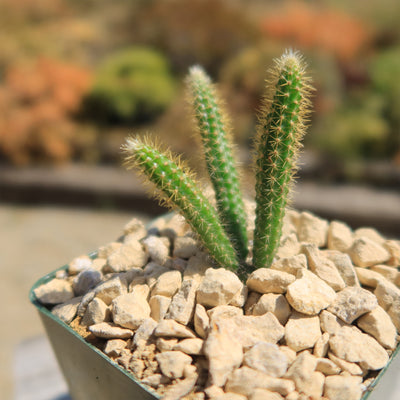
(90,374)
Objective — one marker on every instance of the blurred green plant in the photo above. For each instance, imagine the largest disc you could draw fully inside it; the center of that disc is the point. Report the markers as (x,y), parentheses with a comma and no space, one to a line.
(383,68)
(133,85)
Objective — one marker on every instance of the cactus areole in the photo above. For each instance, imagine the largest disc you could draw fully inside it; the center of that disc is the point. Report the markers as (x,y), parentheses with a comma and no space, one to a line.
(223,230)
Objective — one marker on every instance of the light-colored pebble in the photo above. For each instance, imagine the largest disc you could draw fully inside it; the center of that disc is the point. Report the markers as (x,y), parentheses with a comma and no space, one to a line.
(350,367)
(266,280)
(309,294)
(129,311)
(352,302)
(264,394)
(223,312)
(171,328)
(370,233)
(166,344)
(379,325)
(230,396)
(79,264)
(390,273)
(340,236)
(344,266)
(239,299)
(327,367)
(302,331)
(364,252)
(114,347)
(108,330)
(192,346)
(183,387)
(224,353)
(136,228)
(251,301)
(289,353)
(393,247)
(321,345)
(367,277)
(172,363)
(352,345)
(323,267)
(144,332)
(290,264)
(197,266)
(218,287)
(275,303)
(249,329)
(152,272)
(343,387)
(245,380)
(105,251)
(388,296)
(68,310)
(201,321)
(129,255)
(183,303)
(96,312)
(185,247)
(167,284)
(159,306)
(157,248)
(288,247)
(312,229)
(302,370)
(56,291)
(112,288)
(330,323)
(267,358)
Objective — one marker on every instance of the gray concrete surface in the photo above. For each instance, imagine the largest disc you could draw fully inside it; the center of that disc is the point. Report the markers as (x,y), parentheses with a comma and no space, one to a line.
(34,241)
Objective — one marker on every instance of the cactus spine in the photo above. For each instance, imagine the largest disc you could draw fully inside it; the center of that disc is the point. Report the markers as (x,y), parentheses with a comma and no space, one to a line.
(178,189)
(280,131)
(212,124)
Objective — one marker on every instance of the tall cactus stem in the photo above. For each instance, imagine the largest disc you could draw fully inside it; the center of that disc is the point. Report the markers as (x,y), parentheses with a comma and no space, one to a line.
(178,189)
(280,130)
(213,128)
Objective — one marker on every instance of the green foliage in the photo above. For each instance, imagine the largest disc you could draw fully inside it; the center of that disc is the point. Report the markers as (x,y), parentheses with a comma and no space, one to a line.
(282,125)
(212,124)
(179,190)
(130,86)
(280,131)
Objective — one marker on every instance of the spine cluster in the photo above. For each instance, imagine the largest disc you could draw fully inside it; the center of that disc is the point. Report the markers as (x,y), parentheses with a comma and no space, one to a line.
(217,146)
(178,189)
(281,128)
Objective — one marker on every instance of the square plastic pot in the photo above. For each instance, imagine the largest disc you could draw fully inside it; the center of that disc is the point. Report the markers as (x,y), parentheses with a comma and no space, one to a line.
(90,374)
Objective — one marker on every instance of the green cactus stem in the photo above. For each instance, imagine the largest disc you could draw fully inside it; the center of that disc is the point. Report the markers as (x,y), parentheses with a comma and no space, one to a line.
(281,128)
(178,190)
(212,126)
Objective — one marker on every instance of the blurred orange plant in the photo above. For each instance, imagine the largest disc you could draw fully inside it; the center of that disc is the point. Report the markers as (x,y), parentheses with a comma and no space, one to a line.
(37,102)
(314,26)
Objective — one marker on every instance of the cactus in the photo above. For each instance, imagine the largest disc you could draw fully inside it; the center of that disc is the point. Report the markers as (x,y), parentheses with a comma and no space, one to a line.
(281,128)
(177,188)
(212,125)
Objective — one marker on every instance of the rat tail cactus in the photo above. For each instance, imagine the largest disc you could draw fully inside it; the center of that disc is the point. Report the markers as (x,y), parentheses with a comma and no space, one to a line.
(177,188)
(213,128)
(280,130)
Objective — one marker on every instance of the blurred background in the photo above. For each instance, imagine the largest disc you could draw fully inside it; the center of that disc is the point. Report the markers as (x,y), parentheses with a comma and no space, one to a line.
(76,77)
